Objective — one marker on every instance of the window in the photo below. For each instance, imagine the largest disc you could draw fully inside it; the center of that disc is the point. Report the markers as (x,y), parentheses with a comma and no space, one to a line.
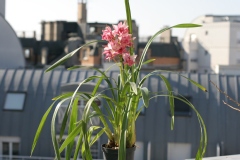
(27,52)
(14,101)
(181,108)
(206,52)
(92,29)
(193,71)
(193,38)
(9,146)
(194,60)
(178,151)
(238,37)
(139,152)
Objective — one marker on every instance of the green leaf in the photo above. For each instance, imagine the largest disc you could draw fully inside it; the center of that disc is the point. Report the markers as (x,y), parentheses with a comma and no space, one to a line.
(78,145)
(65,119)
(134,87)
(129,20)
(53,132)
(145,96)
(171,99)
(148,61)
(97,86)
(203,140)
(105,77)
(72,126)
(87,153)
(69,55)
(71,137)
(195,83)
(186,25)
(123,137)
(97,136)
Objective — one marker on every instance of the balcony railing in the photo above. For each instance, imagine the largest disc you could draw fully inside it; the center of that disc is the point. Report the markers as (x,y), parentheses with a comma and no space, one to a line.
(3,157)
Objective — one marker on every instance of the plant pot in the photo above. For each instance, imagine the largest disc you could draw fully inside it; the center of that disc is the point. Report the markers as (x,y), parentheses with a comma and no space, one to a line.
(112,154)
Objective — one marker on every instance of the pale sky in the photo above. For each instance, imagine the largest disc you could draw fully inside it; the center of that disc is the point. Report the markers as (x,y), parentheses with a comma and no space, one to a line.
(150,15)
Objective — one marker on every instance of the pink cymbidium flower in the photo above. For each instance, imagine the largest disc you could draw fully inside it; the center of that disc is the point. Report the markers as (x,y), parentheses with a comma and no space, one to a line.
(119,40)
(120,29)
(116,46)
(109,53)
(107,34)
(126,40)
(128,59)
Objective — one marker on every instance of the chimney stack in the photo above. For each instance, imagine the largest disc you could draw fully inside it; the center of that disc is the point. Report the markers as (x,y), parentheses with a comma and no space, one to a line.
(82,16)
(82,12)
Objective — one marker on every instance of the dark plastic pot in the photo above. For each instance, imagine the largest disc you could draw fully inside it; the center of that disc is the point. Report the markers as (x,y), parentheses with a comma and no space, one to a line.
(112,154)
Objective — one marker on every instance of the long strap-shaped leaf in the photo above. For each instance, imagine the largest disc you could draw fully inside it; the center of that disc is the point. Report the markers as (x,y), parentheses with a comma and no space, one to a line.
(171,99)
(203,139)
(187,25)
(71,136)
(53,132)
(157,72)
(72,126)
(105,77)
(69,55)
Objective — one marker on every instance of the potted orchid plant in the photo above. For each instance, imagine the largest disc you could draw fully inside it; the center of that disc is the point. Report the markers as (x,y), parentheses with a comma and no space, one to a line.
(118,123)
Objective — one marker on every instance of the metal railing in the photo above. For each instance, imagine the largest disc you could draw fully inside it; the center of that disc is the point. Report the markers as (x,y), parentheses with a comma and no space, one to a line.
(4,157)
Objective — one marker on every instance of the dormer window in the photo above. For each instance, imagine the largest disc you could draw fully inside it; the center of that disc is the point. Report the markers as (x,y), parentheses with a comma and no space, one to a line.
(14,101)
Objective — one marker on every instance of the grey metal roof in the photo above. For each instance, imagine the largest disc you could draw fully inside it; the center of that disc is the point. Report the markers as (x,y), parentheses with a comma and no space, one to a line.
(154,126)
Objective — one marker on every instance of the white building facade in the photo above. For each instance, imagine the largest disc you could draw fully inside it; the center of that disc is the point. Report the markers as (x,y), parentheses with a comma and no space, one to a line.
(215,44)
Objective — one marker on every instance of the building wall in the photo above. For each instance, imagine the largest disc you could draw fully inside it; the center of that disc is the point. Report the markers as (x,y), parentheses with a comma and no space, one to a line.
(165,61)
(215,43)
(234,57)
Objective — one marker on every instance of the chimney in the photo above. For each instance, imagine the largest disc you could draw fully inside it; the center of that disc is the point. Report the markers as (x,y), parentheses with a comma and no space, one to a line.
(165,37)
(23,34)
(82,12)
(2,8)
(44,56)
(82,17)
(34,34)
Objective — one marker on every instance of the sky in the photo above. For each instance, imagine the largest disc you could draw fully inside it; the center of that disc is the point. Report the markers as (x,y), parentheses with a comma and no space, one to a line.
(150,15)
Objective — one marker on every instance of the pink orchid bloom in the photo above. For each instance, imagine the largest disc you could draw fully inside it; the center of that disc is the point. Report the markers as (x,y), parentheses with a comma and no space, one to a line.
(118,42)
(128,59)
(126,40)
(107,34)
(120,29)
